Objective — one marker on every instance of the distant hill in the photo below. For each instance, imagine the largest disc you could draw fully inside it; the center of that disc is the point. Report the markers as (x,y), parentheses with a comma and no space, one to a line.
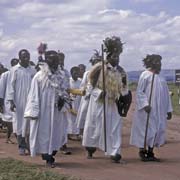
(168,74)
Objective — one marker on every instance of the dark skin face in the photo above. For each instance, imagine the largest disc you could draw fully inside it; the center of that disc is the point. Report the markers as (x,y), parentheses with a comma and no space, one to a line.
(14,62)
(114,60)
(24,59)
(53,62)
(81,70)
(75,75)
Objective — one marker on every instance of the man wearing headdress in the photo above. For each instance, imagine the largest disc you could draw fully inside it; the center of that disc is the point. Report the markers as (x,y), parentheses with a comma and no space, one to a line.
(116,86)
(159,109)
(44,105)
(17,92)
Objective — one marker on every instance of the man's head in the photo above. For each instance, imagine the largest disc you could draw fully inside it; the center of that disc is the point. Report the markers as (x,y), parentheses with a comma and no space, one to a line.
(75,72)
(82,69)
(61,59)
(52,59)
(24,57)
(95,58)
(153,62)
(14,61)
(113,48)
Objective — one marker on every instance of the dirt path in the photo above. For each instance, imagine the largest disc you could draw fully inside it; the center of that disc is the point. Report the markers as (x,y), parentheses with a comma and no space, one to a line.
(101,168)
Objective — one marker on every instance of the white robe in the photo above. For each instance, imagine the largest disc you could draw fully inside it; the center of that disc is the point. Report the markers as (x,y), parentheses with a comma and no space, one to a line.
(93,135)
(17,90)
(47,132)
(160,104)
(72,127)
(83,107)
(7,115)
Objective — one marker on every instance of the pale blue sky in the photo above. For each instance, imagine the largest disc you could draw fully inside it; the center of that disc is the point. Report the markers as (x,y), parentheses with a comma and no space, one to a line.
(79,26)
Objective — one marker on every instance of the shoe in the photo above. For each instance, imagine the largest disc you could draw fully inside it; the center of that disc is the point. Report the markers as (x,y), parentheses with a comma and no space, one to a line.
(116,158)
(22,152)
(90,155)
(50,164)
(151,157)
(9,141)
(143,155)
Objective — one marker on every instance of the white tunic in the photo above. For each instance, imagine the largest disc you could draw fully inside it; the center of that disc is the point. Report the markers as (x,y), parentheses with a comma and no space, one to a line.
(72,127)
(160,104)
(83,107)
(47,131)
(17,90)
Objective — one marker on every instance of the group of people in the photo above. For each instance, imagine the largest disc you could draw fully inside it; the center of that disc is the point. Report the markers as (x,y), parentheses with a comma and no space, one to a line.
(50,105)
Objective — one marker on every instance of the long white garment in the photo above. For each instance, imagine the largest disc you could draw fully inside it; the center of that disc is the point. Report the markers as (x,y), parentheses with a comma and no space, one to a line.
(93,135)
(83,107)
(7,115)
(47,132)
(17,90)
(160,103)
(72,127)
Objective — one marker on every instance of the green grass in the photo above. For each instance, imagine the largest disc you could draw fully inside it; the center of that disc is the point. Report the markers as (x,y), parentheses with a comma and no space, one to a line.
(175,99)
(11,169)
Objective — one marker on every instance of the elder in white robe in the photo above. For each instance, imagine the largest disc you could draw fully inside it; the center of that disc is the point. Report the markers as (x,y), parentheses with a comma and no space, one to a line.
(93,135)
(47,130)
(160,106)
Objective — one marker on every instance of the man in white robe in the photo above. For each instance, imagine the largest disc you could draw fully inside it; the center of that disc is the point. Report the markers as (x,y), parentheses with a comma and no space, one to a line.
(8,116)
(17,92)
(159,109)
(93,136)
(75,82)
(43,109)
(85,85)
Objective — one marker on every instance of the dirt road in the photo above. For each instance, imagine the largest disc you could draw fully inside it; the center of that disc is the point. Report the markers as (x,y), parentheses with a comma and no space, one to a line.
(101,168)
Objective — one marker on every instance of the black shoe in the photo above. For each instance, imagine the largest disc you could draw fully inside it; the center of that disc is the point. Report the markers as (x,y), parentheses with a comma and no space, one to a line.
(151,157)
(116,158)
(90,155)
(143,155)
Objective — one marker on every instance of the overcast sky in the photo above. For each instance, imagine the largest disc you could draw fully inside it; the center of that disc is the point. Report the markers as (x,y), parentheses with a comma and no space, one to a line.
(76,27)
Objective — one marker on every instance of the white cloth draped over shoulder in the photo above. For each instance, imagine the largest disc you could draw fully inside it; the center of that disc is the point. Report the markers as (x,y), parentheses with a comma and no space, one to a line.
(160,105)
(93,135)
(47,131)
(17,90)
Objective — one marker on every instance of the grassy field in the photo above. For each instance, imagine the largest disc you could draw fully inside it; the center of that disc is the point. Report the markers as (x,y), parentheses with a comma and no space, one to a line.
(175,98)
(11,169)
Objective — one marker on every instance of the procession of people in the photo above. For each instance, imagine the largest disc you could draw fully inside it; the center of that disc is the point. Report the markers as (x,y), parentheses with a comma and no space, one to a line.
(45,105)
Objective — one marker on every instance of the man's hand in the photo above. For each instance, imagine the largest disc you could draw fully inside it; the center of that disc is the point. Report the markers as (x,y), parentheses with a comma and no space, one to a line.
(147,109)
(169,115)
(12,106)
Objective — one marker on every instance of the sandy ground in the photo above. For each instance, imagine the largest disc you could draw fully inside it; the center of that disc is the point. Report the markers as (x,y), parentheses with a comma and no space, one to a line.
(101,167)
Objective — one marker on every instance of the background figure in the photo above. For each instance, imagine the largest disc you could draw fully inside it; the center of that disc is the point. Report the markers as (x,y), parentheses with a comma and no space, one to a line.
(7,116)
(82,69)
(159,109)
(94,130)
(74,84)
(85,85)
(17,92)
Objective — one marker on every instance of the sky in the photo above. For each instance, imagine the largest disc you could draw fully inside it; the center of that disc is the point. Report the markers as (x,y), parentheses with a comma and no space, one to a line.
(77,27)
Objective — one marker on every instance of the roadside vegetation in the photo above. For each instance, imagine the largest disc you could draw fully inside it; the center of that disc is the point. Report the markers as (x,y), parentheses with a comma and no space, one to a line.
(11,169)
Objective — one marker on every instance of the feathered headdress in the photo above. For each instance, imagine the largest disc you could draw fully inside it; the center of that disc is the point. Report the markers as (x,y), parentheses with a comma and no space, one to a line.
(95,57)
(113,45)
(42,48)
